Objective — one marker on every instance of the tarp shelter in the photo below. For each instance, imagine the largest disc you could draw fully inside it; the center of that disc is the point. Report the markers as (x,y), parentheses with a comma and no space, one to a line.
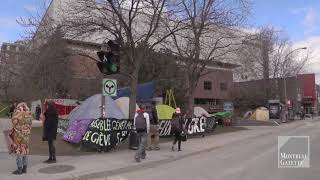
(199,111)
(144,91)
(260,114)
(63,106)
(123,104)
(165,112)
(90,109)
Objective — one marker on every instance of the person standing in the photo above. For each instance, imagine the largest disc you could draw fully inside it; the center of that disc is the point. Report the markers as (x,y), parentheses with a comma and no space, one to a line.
(20,136)
(153,135)
(12,108)
(38,112)
(142,126)
(302,114)
(177,128)
(50,130)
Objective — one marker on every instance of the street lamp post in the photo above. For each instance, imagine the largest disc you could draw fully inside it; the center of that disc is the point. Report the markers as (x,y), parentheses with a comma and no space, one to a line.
(284,80)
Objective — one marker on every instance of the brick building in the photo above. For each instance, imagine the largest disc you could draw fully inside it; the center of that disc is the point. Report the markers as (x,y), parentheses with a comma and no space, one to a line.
(211,92)
(215,87)
(9,66)
(301,92)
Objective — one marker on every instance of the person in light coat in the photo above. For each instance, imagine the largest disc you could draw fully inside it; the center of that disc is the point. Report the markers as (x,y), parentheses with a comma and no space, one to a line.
(142,126)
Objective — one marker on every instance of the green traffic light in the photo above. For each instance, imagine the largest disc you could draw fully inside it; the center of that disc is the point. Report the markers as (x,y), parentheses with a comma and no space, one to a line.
(114,68)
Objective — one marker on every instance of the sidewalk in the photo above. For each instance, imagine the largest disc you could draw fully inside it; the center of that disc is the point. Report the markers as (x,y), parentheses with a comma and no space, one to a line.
(112,163)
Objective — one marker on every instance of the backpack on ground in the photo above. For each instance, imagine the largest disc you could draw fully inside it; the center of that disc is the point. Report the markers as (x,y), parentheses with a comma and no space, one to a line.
(140,122)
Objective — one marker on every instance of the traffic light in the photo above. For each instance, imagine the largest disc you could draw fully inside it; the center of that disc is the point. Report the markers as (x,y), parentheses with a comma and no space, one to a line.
(110,61)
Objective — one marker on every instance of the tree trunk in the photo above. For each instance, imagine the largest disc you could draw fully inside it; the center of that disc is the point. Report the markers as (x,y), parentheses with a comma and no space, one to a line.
(133,93)
(191,101)
(189,95)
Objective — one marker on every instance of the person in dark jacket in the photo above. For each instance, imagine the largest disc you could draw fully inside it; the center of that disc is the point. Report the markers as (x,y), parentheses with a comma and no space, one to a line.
(50,130)
(177,128)
(38,112)
(12,108)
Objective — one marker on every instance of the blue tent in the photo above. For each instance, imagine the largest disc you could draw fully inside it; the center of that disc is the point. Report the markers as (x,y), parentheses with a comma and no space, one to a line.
(145,91)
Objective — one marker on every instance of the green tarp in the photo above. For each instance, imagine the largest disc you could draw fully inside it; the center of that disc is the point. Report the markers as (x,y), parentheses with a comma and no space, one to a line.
(164,112)
(222,114)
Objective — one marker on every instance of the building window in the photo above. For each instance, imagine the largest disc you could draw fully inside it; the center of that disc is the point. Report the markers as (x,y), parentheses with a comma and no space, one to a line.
(207,85)
(200,101)
(204,101)
(223,86)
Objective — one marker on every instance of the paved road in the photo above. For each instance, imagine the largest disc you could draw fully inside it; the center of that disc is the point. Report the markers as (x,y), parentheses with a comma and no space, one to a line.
(255,159)
(247,155)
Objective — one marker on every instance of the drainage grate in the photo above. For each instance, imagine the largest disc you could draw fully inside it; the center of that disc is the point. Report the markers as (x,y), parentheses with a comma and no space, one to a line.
(56,169)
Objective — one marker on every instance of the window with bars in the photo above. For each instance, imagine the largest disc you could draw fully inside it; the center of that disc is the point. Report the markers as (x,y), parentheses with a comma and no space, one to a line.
(223,86)
(207,85)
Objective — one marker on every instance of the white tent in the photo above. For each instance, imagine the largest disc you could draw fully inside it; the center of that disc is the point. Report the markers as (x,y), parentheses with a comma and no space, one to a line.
(90,109)
(199,111)
(123,104)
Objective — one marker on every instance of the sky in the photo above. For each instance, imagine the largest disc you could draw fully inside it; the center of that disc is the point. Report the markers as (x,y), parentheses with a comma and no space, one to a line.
(300,19)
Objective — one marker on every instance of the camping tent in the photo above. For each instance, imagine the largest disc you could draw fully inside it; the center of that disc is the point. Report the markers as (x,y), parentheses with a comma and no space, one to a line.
(123,104)
(164,111)
(260,114)
(199,111)
(90,109)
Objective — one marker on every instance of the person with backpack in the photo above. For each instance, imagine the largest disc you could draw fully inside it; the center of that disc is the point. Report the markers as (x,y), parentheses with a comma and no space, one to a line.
(177,128)
(142,126)
(153,135)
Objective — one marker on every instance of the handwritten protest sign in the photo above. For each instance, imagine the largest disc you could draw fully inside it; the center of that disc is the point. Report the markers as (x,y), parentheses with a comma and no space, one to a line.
(105,133)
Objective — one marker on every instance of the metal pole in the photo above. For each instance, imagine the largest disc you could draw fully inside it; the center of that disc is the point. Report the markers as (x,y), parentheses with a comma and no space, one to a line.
(103,103)
(103,100)
(285,98)
(284,81)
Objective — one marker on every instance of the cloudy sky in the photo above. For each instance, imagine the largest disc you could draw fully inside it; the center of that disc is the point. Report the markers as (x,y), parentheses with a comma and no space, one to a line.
(299,18)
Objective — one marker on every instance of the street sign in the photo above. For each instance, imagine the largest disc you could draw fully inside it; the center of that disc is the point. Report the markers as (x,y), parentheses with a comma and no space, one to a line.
(109,87)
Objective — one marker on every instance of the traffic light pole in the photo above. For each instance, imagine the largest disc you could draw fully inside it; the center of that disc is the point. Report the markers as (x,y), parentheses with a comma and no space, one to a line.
(103,104)
(109,64)
(103,112)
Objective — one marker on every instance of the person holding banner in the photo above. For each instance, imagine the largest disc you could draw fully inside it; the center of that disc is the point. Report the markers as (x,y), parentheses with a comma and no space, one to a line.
(50,130)
(142,126)
(19,136)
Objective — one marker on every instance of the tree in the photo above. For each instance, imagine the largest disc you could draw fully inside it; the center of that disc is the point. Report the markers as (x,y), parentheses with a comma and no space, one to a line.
(9,69)
(163,68)
(136,25)
(267,54)
(47,70)
(211,33)
(263,56)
